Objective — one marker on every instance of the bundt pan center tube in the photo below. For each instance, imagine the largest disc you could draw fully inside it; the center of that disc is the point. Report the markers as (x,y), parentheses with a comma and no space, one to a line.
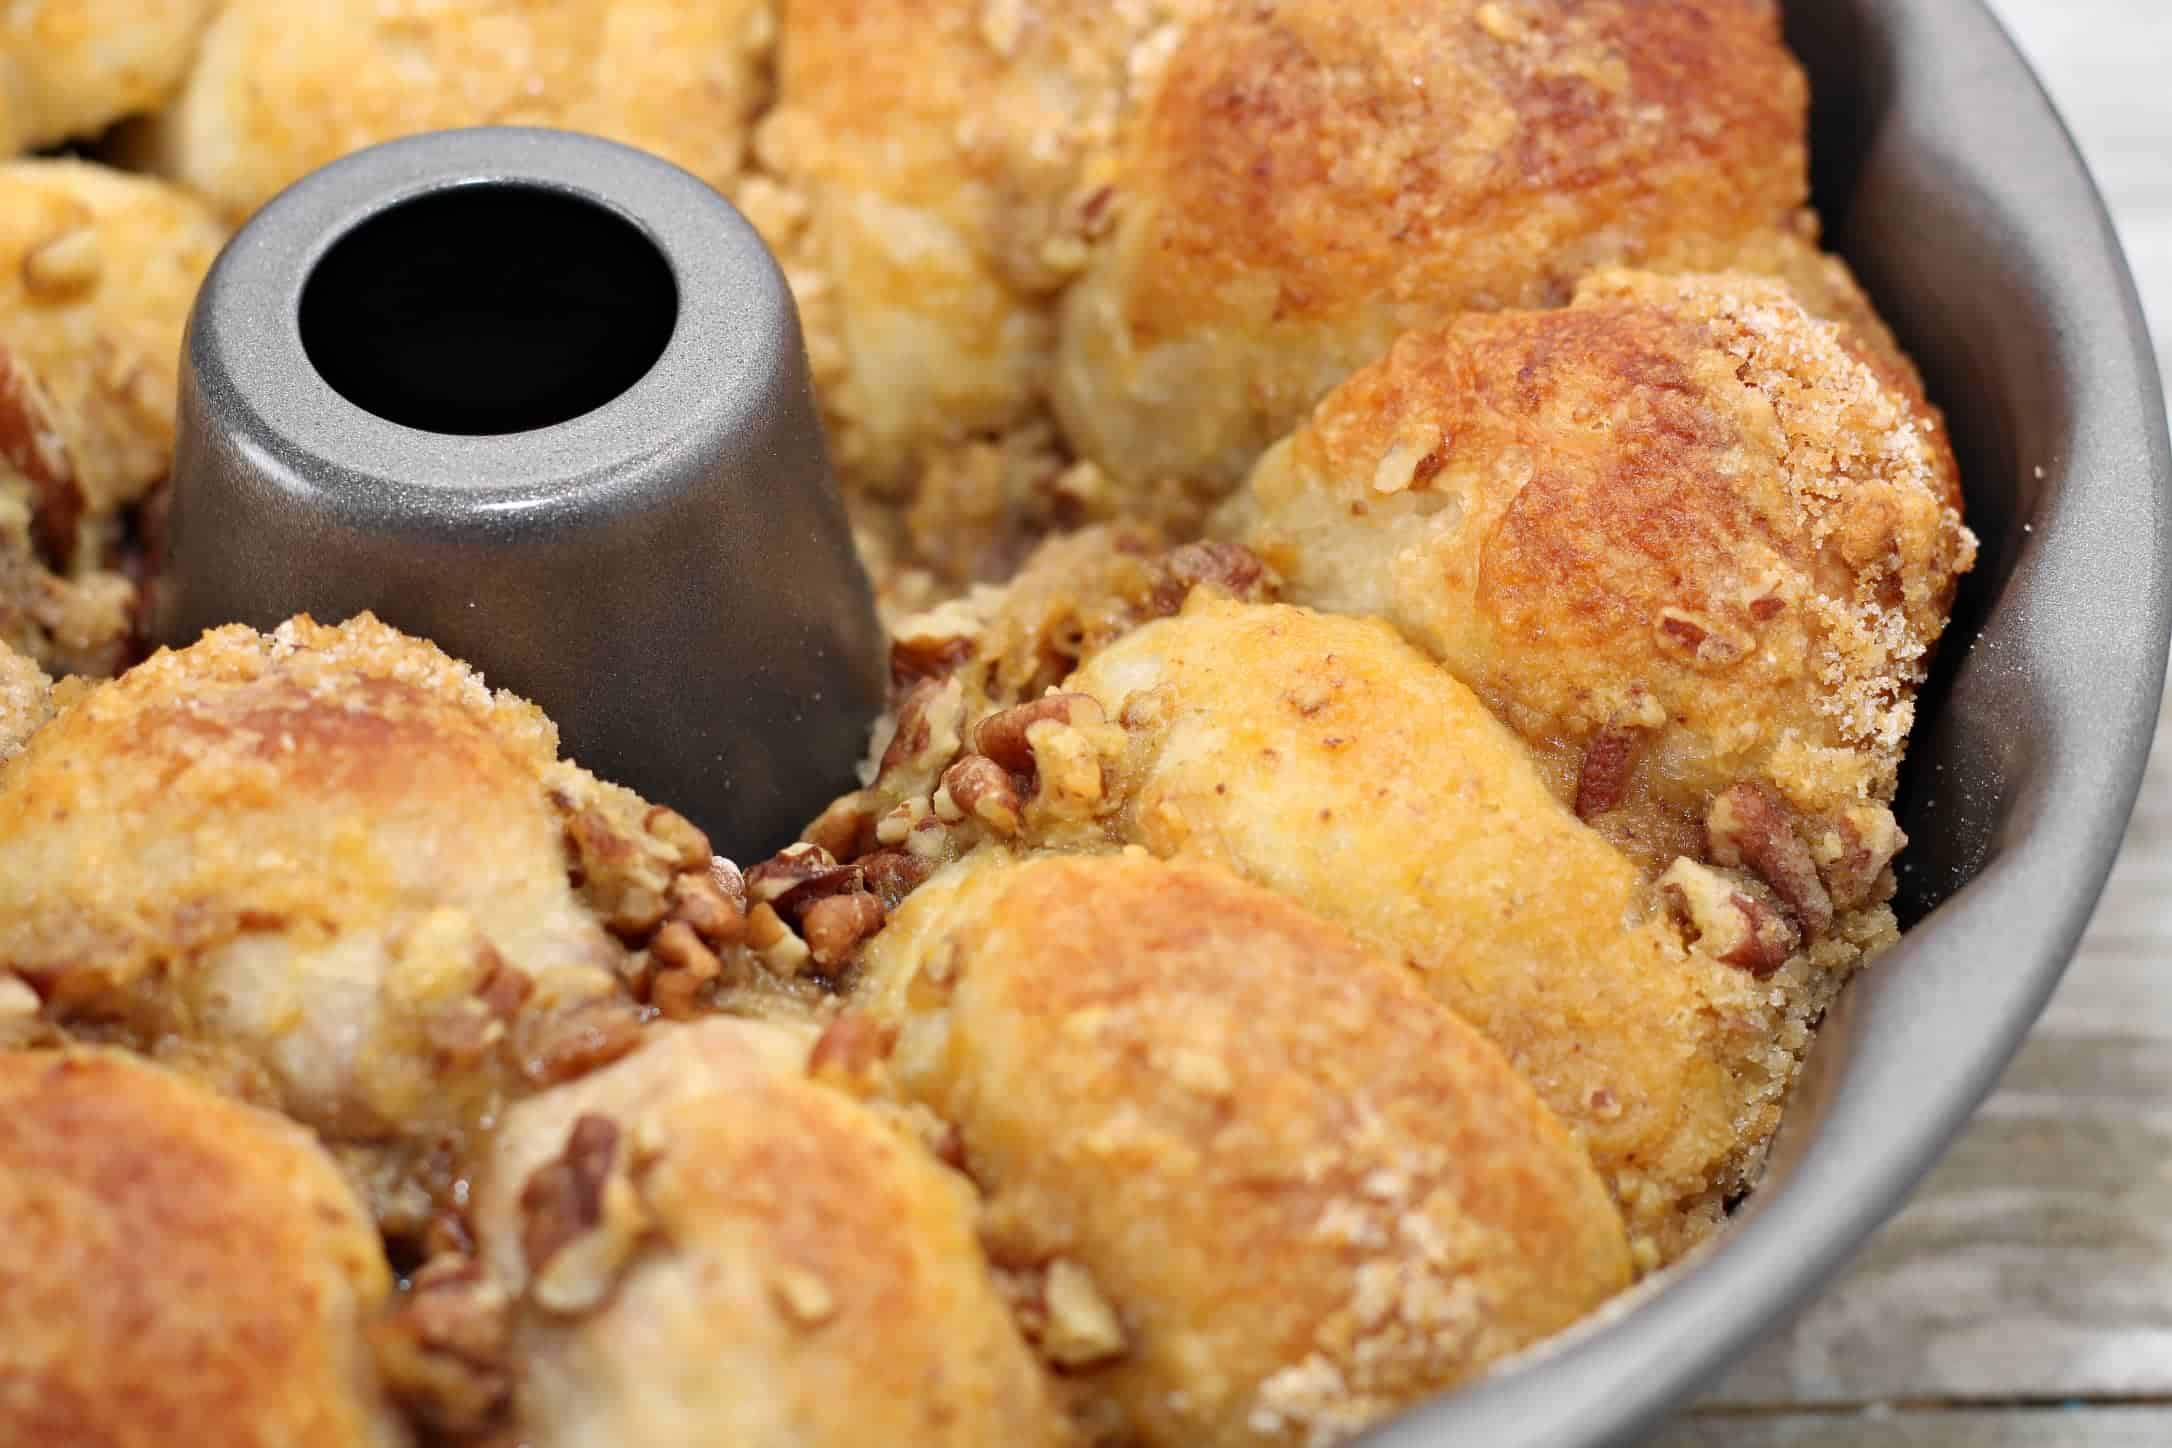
(1946,179)
(542,399)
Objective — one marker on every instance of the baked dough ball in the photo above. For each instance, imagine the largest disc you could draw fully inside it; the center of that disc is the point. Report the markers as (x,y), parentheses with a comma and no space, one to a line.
(1311,179)
(177,1268)
(1681,536)
(1330,761)
(708,1247)
(332,869)
(98,270)
(935,170)
(1270,1193)
(73,67)
(281,87)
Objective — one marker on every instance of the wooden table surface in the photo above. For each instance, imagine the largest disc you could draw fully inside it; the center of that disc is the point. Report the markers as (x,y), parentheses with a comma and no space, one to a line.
(2025,1296)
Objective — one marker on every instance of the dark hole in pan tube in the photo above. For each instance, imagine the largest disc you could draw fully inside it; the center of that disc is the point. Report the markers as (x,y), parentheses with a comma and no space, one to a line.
(488,308)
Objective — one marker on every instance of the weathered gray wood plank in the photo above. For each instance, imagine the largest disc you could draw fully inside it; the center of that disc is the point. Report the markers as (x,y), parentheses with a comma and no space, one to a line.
(2079,1427)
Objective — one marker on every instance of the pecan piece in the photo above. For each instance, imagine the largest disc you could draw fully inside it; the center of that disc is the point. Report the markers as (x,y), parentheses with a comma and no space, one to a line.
(1853,852)
(443,1351)
(834,927)
(797,876)
(1002,736)
(701,904)
(846,829)
(1230,567)
(1609,755)
(563,1199)
(978,788)
(850,1048)
(581,1219)
(577,1039)
(1081,1329)
(894,874)
(31,448)
(1731,923)
(1746,826)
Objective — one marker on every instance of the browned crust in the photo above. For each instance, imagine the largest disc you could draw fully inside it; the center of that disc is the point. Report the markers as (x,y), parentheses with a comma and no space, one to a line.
(175,1268)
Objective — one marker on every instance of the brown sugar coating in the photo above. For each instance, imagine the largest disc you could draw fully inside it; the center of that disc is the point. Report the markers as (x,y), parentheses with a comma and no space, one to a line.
(1311,179)
(767,1263)
(1680,536)
(177,1268)
(1330,761)
(1259,1188)
(280,87)
(348,884)
(70,68)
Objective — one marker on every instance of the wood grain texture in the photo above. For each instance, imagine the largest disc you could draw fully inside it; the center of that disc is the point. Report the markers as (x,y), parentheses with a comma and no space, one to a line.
(2078,1427)
(2035,1266)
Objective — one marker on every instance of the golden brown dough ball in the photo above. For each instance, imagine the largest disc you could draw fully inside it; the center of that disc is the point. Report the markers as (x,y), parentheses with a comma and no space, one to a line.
(707,1247)
(98,270)
(934,174)
(332,869)
(1266,1191)
(1312,178)
(71,68)
(1681,536)
(177,1268)
(281,87)
(1328,760)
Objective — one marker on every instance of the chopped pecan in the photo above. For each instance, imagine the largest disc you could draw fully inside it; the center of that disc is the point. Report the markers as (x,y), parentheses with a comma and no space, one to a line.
(31,449)
(846,829)
(1747,826)
(1002,736)
(894,874)
(1727,919)
(504,989)
(616,875)
(895,826)
(563,1199)
(834,927)
(1697,635)
(928,720)
(850,1048)
(926,657)
(685,966)
(978,788)
(576,1039)
(1853,851)
(774,941)
(726,877)
(700,903)
(1081,1329)
(1230,567)
(688,846)
(580,1219)
(443,1351)
(1609,755)
(797,876)
(802,1295)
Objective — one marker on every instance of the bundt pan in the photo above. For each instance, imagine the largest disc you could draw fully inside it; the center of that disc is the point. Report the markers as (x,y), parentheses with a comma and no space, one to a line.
(1946,178)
